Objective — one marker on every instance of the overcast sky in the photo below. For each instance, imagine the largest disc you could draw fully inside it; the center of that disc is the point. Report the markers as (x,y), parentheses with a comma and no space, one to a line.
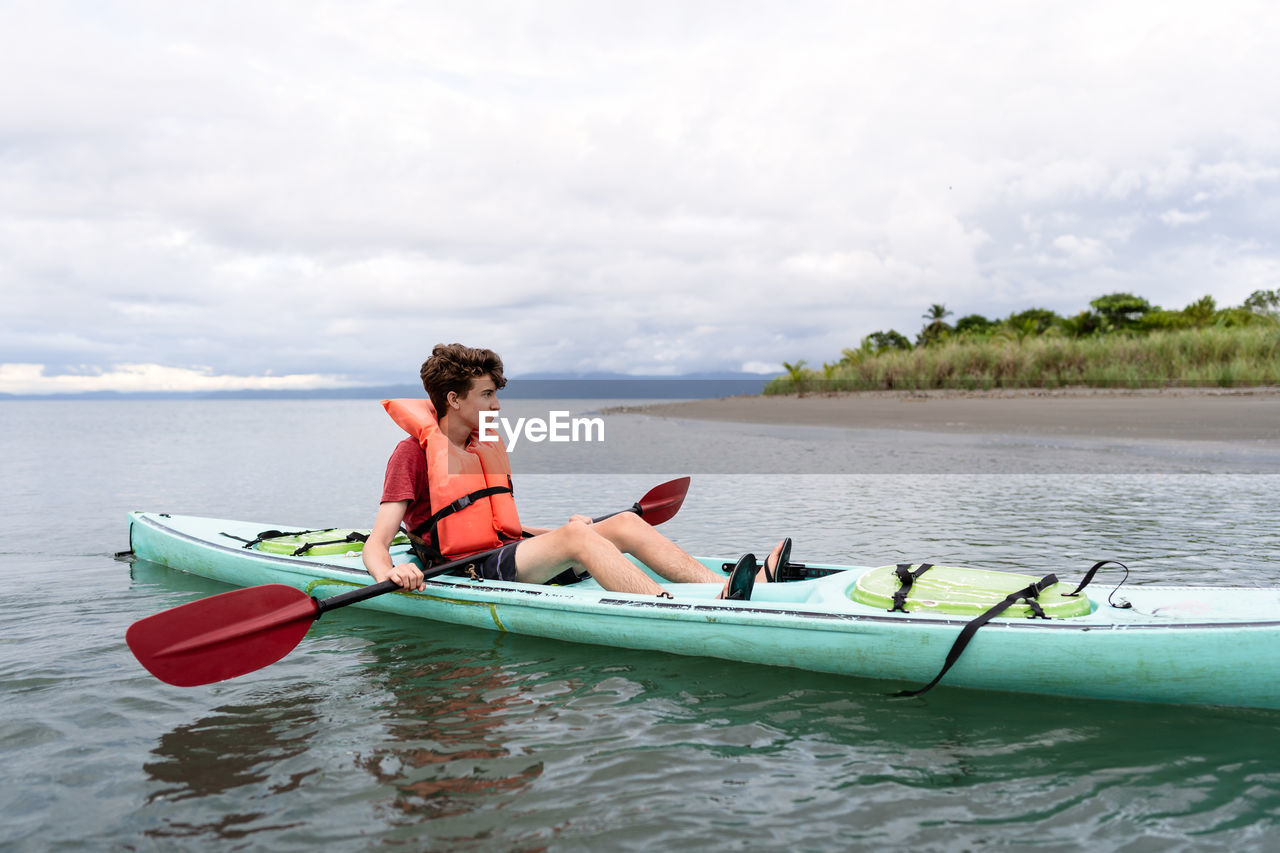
(290,194)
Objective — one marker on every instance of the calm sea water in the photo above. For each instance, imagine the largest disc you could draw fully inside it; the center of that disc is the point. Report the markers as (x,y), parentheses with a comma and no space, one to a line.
(386,731)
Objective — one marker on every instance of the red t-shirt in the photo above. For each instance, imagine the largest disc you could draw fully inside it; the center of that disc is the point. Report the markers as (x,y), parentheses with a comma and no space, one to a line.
(406,480)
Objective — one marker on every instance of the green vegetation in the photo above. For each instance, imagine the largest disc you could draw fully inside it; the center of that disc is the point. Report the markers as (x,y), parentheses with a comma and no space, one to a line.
(1121,341)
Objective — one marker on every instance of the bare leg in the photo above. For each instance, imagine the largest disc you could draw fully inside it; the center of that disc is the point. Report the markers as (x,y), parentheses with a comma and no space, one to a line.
(575,544)
(633,535)
(599,548)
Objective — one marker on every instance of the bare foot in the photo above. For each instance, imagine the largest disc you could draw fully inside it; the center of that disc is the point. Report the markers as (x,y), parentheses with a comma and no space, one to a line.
(771,564)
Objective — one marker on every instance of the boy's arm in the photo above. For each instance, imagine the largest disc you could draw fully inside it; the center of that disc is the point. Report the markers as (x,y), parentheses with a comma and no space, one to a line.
(376,553)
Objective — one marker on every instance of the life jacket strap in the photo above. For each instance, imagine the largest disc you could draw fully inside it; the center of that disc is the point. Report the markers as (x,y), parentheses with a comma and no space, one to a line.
(1028,594)
(426,552)
(429,526)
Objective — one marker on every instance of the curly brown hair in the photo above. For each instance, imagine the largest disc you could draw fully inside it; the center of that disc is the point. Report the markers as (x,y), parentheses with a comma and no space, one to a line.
(451,367)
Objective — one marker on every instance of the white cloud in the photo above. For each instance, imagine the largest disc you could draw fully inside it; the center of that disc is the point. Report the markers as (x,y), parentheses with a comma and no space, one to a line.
(835,265)
(1081,251)
(1175,218)
(36,379)
(329,189)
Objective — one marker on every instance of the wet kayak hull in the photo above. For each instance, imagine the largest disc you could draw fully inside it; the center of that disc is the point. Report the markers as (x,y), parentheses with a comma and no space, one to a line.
(1186,645)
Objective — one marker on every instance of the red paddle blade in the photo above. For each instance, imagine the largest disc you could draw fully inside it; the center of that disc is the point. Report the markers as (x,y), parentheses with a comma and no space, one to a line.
(224,636)
(663,502)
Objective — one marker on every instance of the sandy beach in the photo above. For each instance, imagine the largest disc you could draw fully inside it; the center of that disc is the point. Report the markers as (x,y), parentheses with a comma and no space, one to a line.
(1183,414)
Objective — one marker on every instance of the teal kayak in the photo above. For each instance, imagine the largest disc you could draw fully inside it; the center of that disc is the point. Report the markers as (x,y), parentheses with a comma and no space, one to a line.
(1182,645)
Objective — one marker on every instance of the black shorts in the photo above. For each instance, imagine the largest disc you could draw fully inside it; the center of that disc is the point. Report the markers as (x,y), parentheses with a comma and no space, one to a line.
(497,566)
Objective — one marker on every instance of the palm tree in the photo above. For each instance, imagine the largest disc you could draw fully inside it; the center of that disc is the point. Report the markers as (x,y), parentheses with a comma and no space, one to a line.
(937,312)
(797,374)
(937,328)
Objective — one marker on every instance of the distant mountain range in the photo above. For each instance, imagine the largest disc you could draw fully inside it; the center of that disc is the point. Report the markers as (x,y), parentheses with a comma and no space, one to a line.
(534,386)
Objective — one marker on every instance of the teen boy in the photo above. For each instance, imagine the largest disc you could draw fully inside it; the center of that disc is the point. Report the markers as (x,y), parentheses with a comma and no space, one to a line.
(462,382)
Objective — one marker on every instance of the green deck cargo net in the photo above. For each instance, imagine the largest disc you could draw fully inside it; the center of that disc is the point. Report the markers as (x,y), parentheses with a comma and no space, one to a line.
(963,592)
(321,543)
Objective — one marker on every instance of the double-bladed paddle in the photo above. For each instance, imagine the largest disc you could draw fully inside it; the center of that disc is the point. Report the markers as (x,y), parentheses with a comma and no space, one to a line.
(244,630)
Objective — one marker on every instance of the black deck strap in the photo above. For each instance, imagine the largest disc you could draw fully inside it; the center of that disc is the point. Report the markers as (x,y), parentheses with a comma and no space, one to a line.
(460,504)
(1093,571)
(1028,593)
(792,571)
(908,577)
(801,572)
(353,536)
(272,534)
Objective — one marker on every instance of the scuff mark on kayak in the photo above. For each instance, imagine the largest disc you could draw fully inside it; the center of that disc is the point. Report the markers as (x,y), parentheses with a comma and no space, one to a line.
(310,588)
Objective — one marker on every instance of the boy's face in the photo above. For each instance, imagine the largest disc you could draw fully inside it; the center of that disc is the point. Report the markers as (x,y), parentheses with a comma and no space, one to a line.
(482,397)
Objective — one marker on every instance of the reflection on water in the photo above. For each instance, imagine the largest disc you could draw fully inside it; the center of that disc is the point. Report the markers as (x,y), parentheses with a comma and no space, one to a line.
(659,751)
(446,751)
(380,731)
(233,747)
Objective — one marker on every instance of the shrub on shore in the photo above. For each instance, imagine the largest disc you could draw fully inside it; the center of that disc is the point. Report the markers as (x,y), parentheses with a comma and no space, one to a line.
(1123,342)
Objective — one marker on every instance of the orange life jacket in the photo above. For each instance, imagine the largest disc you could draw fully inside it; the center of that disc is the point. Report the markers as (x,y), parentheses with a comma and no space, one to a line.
(472,509)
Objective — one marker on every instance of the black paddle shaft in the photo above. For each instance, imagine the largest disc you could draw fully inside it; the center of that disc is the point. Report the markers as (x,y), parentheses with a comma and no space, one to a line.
(333,602)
